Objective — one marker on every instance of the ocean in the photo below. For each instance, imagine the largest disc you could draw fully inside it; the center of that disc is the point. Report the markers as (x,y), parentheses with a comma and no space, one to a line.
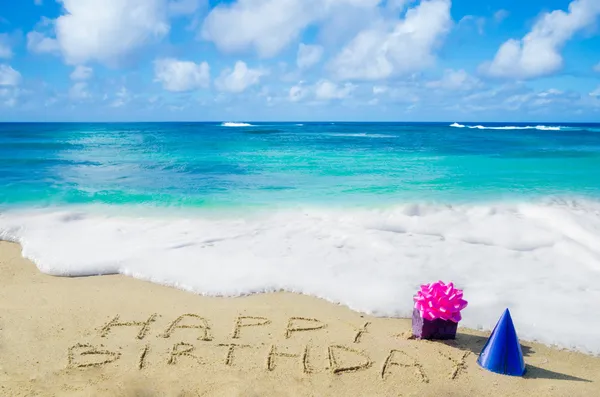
(356,213)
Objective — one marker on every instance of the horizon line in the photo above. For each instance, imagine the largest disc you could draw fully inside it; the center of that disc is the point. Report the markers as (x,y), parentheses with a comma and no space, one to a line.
(290,122)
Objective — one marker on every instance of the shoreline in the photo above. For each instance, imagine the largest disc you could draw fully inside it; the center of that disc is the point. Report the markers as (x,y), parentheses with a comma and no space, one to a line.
(531,259)
(118,336)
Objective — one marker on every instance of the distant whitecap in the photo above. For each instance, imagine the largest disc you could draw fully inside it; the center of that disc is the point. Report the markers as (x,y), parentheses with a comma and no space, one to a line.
(231,124)
(509,127)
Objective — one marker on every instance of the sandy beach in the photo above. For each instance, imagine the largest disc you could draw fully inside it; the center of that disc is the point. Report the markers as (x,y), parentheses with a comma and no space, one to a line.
(118,336)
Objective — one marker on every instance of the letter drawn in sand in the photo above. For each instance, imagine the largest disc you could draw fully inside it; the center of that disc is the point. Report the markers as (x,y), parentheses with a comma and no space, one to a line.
(86,355)
(273,354)
(180,350)
(409,362)
(248,321)
(231,352)
(293,326)
(360,332)
(337,367)
(203,325)
(145,326)
(458,366)
(142,360)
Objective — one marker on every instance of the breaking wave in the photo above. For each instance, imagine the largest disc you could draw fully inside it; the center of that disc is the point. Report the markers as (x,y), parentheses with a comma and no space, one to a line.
(541,260)
(510,127)
(231,124)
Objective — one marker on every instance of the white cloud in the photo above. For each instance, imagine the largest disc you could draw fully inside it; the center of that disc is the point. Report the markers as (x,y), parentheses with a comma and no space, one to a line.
(327,90)
(9,76)
(550,92)
(82,73)
(105,31)
(541,99)
(5,47)
(38,2)
(308,55)
(238,79)
(179,76)
(455,80)
(79,91)
(538,53)
(380,89)
(597,67)
(501,15)
(518,97)
(38,43)
(268,26)
(184,7)
(395,47)
(9,96)
(323,90)
(406,91)
(343,23)
(479,22)
(297,92)
(596,92)
(122,98)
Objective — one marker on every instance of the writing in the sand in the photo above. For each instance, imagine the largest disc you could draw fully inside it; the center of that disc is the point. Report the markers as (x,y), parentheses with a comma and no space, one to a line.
(234,349)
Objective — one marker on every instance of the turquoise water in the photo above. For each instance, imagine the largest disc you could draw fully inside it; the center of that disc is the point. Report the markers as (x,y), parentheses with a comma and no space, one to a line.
(210,165)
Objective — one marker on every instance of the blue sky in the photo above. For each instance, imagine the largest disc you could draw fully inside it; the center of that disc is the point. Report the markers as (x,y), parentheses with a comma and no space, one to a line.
(248,60)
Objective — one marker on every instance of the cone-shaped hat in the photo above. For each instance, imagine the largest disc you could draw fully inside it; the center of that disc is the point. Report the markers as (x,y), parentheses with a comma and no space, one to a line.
(502,352)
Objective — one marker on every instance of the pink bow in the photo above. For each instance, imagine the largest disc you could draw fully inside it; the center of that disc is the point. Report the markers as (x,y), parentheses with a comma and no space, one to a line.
(439,300)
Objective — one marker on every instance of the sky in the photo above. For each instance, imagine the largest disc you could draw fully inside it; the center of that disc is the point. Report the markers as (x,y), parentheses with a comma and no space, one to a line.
(300,60)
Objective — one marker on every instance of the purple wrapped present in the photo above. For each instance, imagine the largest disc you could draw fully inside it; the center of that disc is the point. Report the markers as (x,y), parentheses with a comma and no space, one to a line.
(437,311)
(432,329)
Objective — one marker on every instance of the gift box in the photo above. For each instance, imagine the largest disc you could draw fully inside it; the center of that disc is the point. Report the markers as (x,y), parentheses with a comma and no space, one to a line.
(432,329)
(437,311)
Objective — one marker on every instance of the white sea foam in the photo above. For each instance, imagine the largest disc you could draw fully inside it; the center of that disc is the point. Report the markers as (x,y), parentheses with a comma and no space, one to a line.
(509,127)
(230,124)
(540,260)
(537,127)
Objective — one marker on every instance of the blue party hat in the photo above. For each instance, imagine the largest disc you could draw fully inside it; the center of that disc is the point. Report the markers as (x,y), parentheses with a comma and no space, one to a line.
(502,352)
